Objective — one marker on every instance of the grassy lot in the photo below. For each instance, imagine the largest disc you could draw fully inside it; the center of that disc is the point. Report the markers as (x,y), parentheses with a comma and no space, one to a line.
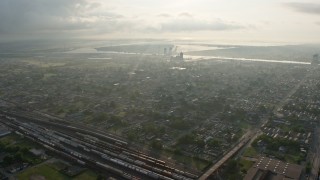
(250,152)
(58,165)
(51,173)
(194,163)
(245,165)
(16,140)
(297,158)
(87,175)
(14,144)
(10,139)
(43,170)
(199,164)
(243,125)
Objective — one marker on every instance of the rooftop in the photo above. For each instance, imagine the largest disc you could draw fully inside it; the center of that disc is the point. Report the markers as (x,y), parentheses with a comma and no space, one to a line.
(4,131)
(273,169)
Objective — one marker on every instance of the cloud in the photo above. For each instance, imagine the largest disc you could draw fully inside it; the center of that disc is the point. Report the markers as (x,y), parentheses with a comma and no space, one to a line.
(310,8)
(187,22)
(58,16)
(187,25)
(164,15)
(29,15)
(79,18)
(185,14)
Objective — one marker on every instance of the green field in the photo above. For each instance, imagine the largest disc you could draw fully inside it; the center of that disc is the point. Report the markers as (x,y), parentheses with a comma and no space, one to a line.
(87,175)
(42,171)
(16,140)
(50,173)
(14,144)
(250,152)
(245,165)
(192,162)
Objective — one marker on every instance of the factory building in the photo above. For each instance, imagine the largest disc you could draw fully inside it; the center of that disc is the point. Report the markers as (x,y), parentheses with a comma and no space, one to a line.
(177,58)
(272,169)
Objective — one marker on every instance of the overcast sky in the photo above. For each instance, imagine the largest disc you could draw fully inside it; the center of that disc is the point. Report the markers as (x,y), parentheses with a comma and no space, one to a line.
(284,21)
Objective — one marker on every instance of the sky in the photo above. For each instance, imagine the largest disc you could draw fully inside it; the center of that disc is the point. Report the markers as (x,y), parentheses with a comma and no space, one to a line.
(229,21)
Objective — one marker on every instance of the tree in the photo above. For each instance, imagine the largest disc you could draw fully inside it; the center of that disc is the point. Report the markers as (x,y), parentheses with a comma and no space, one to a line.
(232,170)
(7,160)
(113,104)
(100,117)
(156,144)
(131,135)
(308,168)
(214,143)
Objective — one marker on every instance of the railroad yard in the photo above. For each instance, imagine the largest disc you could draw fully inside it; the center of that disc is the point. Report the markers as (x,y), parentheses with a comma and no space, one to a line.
(93,149)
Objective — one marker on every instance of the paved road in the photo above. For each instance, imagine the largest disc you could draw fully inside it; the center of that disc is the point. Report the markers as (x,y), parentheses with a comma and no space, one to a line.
(315,155)
(286,99)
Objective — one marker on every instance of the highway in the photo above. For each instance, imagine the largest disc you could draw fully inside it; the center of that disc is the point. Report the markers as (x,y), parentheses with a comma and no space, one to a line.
(315,155)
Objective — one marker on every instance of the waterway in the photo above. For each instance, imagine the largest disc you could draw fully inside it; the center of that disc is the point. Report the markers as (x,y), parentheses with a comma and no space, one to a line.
(191,58)
(199,58)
